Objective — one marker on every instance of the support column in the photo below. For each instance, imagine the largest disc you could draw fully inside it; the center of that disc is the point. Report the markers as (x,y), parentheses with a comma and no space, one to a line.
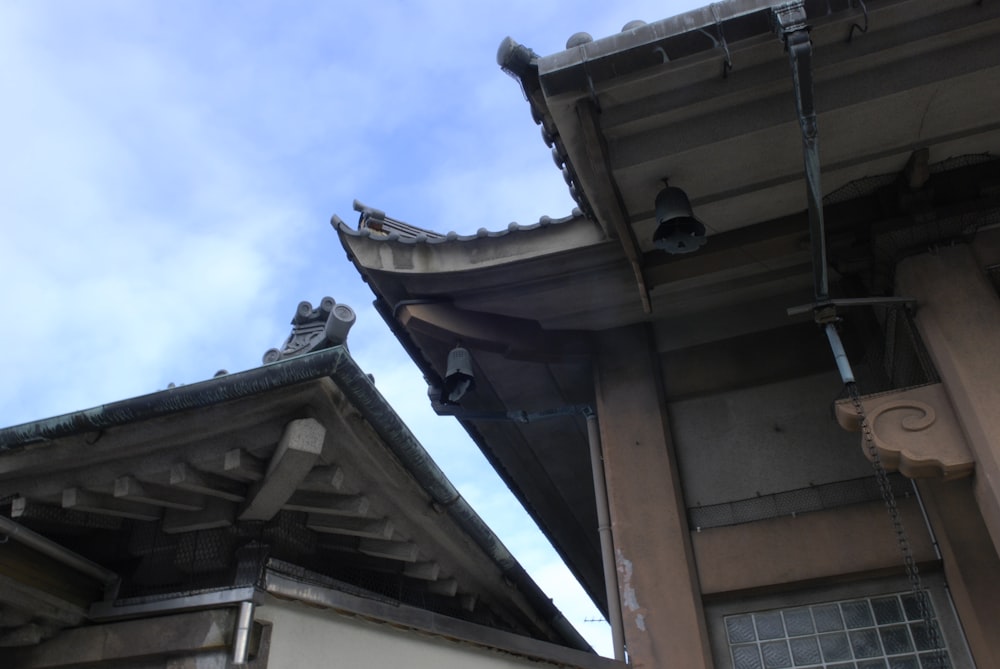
(958,317)
(661,601)
(971,565)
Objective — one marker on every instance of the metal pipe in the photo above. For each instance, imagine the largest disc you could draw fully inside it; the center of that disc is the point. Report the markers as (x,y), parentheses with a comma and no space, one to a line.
(241,636)
(607,543)
(57,552)
(839,354)
(927,519)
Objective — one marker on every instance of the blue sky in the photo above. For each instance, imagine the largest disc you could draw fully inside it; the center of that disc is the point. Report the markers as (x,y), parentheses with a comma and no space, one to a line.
(170,169)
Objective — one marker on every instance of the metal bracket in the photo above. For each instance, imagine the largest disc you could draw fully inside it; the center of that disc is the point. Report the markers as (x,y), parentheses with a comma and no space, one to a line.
(850,302)
(789,18)
(727,64)
(855,26)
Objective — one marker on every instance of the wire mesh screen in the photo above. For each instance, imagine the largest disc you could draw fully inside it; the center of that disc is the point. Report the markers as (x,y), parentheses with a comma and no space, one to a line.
(794,502)
(886,350)
(871,184)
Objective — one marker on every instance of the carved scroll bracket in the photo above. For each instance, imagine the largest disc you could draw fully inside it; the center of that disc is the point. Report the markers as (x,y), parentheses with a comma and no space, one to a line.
(915,431)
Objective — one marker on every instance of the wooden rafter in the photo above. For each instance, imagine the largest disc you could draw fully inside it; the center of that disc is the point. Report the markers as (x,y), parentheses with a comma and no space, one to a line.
(605,197)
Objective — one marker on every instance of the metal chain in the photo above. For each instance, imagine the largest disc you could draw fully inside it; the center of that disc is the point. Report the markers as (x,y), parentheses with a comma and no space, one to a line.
(938,657)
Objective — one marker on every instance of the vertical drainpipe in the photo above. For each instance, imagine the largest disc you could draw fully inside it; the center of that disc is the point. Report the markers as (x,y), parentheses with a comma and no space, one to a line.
(790,24)
(241,636)
(607,546)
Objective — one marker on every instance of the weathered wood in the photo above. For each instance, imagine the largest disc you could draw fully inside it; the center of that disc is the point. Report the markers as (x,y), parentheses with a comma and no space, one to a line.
(425,571)
(186,477)
(217,513)
(242,465)
(337,505)
(131,489)
(380,528)
(297,452)
(79,499)
(394,550)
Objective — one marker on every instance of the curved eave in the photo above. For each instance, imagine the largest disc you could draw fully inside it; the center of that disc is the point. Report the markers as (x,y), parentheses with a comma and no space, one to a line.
(422,254)
(924,75)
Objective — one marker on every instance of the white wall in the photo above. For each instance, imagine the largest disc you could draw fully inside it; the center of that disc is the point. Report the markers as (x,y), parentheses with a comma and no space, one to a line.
(304,636)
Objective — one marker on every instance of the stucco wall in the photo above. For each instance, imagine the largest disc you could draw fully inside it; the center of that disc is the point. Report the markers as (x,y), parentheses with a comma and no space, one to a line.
(302,636)
(762,440)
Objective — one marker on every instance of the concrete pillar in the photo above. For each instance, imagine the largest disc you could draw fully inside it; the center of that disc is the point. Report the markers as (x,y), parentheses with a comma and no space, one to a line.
(661,602)
(958,316)
(971,565)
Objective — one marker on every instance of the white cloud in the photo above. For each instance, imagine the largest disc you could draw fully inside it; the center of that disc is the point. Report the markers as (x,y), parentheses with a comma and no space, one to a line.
(170,169)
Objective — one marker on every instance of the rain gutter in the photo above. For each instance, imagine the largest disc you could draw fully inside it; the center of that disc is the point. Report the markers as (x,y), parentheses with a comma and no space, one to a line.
(336,364)
(58,552)
(175,400)
(712,28)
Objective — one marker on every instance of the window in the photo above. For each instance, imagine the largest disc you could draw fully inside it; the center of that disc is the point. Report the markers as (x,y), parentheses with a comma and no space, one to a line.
(880,632)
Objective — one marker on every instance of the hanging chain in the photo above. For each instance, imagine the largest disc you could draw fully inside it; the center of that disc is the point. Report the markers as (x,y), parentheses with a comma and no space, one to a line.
(938,656)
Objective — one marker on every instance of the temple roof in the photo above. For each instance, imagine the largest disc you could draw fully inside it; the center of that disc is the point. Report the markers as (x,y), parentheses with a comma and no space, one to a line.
(905,93)
(296,470)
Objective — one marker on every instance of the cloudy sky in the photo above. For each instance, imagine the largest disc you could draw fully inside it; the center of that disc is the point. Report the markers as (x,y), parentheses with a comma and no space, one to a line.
(170,168)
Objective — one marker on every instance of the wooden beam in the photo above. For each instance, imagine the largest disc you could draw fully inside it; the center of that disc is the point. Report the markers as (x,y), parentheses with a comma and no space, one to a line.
(515,338)
(404,551)
(217,513)
(242,465)
(425,571)
(447,587)
(369,528)
(297,452)
(79,499)
(604,196)
(46,515)
(324,479)
(131,642)
(131,489)
(186,477)
(321,503)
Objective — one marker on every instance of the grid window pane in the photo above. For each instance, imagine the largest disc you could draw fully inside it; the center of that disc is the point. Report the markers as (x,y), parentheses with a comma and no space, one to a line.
(857,614)
(875,633)
(740,629)
(827,618)
(776,655)
(921,638)
(865,643)
(835,646)
(798,622)
(887,610)
(911,604)
(904,662)
(769,625)
(746,657)
(805,651)
(895,640)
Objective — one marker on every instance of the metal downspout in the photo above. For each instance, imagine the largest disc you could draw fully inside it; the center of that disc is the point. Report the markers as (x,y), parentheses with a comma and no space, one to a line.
(241,636)
(58,552)
(790,23)
(607,545)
